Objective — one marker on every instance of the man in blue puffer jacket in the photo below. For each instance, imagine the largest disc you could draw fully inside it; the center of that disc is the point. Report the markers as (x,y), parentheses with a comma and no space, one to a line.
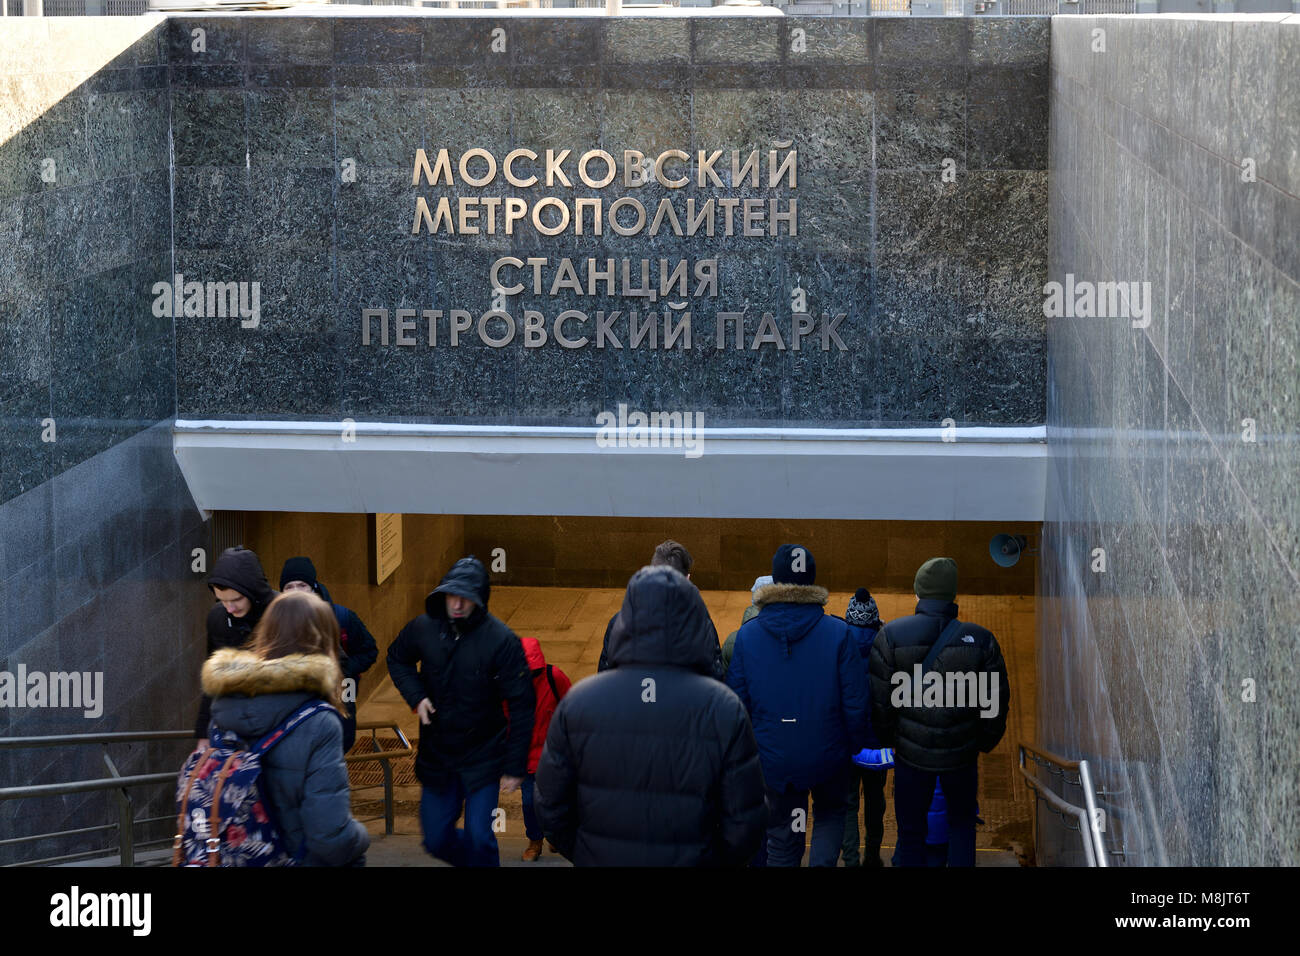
(798,672)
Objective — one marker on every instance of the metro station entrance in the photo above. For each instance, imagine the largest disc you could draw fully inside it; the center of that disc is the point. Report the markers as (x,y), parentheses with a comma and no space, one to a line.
(560,579)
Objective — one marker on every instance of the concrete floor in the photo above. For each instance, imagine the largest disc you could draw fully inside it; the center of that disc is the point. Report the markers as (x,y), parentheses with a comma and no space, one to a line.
(570,623)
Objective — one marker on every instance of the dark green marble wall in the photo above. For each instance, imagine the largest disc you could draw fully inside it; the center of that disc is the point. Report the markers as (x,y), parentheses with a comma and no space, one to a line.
(1174,446)
(85,223)
(940,281)
(97,527)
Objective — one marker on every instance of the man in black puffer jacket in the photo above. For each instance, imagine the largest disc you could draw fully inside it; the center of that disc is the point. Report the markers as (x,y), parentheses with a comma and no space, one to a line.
(239,584)
(653,762)
(941,731)
(455,664)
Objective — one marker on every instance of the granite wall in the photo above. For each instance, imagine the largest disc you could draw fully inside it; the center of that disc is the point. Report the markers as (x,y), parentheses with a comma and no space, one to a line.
(96,524)
(85,224)
(1175,160)
(135,149)
(272,115)
(96,577)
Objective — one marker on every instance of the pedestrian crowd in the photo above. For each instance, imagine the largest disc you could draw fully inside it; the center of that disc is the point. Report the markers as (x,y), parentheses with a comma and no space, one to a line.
(681,750)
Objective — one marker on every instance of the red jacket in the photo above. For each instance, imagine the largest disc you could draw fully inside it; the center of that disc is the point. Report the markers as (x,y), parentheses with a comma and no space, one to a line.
(546,698)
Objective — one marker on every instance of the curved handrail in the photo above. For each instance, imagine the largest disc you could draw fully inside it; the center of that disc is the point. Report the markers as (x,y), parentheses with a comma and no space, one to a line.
(1093,845)
(1048,756)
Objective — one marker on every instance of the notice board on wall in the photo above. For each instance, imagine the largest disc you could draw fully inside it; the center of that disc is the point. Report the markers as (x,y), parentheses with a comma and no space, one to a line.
(385,544)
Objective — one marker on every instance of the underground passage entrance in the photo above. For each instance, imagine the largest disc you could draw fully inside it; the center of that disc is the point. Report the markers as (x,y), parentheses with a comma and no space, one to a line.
(560,579)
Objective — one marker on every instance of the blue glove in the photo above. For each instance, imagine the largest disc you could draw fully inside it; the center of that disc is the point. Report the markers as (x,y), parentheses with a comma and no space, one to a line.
(875,759)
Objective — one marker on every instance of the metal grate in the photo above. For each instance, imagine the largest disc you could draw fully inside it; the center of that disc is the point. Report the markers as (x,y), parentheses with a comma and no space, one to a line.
(77,8)
(227,532)
(1029,8)
(1101,6)
(371,773)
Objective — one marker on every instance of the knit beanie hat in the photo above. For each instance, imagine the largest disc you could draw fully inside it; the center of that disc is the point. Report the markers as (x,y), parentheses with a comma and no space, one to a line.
(759,582)
(937,579)
(862,610)
(793,564)
(298,569)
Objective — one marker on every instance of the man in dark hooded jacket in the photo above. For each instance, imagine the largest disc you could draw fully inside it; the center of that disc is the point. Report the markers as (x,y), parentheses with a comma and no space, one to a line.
(937,738)
(670,554)
(455,664)
(357,649)
(799,673)
(653,762)
(239,584)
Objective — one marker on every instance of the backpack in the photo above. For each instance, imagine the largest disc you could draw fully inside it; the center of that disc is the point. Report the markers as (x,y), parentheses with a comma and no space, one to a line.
(222,818)
(550,679)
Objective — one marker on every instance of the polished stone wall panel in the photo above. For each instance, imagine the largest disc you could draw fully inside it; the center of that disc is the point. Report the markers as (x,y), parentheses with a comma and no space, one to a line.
(862,101)
(1150,454)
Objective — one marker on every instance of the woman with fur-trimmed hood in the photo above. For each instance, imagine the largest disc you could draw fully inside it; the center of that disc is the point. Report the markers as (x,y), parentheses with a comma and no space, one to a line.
(798,672)
(291,660)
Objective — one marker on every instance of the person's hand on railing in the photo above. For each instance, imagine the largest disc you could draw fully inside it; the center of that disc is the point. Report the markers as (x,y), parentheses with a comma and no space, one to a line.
(875,759)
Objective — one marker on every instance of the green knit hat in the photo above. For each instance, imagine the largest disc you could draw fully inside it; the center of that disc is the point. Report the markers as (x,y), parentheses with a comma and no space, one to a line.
(937,579)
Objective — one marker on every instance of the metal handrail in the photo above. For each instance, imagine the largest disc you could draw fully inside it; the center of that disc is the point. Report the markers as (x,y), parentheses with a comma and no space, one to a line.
(68,740)
(114,781)
(1048,756)
(386,756)
(1093,846)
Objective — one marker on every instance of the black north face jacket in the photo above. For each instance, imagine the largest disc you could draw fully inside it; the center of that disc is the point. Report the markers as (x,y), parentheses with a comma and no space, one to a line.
(653,762)
(466,669)
(935,738)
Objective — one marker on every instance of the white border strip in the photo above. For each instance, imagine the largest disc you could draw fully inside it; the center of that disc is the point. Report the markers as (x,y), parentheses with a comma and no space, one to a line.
(984,474)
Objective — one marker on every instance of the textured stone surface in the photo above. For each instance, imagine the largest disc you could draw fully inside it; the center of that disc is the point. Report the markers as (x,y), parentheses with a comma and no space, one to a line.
(1147,428)
(261,124)
(108,541)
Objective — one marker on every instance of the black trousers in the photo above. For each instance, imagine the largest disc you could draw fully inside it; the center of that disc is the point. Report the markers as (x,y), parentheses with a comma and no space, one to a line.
(872,785)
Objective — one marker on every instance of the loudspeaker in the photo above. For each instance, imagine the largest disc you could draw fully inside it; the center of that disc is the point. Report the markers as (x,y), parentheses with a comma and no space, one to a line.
(1005,549)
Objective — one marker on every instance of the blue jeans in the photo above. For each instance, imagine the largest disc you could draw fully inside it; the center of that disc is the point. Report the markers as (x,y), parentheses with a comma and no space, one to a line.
(532,829)
(913,792)
(476,844)
(829,806)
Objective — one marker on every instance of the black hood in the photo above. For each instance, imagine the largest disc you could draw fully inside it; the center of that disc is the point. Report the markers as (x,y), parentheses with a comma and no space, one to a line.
(663,621)
(468,579)
(239,570)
